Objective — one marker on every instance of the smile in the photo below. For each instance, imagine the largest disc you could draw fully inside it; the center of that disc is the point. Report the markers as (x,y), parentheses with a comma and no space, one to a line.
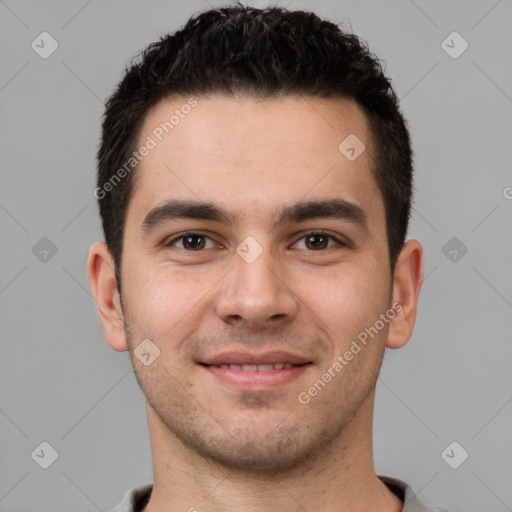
(255,377)
(256,367)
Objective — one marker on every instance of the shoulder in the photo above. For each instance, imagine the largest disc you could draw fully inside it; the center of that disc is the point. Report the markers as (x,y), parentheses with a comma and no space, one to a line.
(405,492)
(134,499)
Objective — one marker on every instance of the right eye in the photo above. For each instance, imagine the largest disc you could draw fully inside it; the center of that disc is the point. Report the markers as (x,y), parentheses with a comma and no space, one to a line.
(191,241)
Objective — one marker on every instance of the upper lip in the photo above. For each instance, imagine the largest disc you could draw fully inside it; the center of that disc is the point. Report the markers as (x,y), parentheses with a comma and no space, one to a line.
(275,356)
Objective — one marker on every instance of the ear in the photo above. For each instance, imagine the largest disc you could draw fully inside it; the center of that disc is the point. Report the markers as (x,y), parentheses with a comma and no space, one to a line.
(407,282)
(100,269)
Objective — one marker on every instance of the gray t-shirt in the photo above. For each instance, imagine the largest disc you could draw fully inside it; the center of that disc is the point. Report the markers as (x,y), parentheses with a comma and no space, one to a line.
(137,498)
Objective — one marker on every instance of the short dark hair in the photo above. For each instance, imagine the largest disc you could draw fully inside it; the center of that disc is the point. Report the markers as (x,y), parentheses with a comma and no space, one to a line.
(265,53)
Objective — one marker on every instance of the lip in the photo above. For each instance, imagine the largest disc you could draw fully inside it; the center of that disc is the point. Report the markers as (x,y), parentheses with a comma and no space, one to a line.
(274,356)
(256,381)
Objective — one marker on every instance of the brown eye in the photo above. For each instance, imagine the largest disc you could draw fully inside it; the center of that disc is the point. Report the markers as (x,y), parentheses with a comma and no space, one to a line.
(319,241)
(191,242)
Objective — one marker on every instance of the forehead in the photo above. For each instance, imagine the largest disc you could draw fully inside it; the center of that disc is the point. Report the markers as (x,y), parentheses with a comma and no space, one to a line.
(254,155)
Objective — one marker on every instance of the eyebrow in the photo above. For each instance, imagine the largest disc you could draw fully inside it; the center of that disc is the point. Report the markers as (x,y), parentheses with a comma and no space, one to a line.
(298,212)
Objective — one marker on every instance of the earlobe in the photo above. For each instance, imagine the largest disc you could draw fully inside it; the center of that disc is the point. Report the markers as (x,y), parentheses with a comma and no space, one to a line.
(101,272)
(407,282)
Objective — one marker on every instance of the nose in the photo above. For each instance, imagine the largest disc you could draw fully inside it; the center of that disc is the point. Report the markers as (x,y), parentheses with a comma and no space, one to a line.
(255,295)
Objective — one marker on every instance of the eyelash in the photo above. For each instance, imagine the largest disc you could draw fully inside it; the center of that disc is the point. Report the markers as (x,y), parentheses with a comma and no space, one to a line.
(305,235)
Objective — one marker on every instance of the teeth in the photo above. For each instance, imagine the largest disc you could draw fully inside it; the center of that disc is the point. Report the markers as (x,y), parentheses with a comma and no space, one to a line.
(257,367)
(265,367)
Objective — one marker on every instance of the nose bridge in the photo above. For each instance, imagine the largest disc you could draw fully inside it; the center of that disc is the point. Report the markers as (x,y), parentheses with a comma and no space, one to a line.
(255,290)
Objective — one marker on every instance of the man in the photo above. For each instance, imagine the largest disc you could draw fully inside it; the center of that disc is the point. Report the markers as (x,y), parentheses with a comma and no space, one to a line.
(254,184)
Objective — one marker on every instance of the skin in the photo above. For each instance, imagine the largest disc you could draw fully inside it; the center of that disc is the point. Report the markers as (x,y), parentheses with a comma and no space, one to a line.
(219,448)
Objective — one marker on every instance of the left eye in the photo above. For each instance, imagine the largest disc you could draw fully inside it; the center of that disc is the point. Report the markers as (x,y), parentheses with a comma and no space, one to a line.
(318,241)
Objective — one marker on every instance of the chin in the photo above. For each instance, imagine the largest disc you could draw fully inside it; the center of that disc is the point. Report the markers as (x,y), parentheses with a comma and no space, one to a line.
(258,448)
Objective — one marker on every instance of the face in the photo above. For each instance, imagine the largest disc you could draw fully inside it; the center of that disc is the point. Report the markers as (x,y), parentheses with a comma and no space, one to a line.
(288,264)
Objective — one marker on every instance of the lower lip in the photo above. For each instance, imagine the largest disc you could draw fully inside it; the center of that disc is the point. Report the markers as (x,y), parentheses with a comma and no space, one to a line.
(256,380)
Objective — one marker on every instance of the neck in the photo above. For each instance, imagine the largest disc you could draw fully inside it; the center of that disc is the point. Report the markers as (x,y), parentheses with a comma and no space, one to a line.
(342,478)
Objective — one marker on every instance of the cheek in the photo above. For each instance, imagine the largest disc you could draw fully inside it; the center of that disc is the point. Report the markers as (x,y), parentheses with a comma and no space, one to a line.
(162,303)
(345,300)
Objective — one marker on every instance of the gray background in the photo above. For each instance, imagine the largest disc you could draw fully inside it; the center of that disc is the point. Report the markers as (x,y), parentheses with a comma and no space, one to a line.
(61,383)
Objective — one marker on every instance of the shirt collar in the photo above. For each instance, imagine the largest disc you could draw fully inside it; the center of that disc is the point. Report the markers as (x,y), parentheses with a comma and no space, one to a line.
(137,498)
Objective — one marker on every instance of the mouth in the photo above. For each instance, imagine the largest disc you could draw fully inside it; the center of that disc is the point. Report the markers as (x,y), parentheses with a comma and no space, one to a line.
(252,360)
(250,371)
(268,367)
